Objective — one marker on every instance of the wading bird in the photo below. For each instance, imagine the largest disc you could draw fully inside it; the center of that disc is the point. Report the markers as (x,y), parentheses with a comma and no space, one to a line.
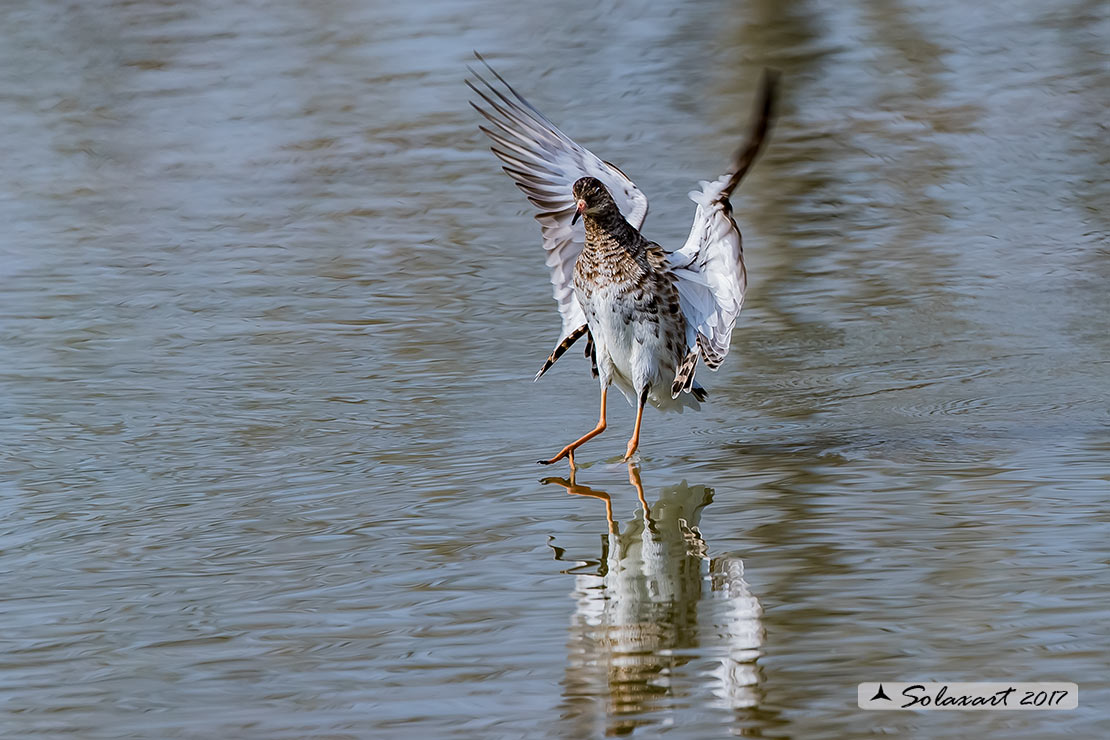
(648,315)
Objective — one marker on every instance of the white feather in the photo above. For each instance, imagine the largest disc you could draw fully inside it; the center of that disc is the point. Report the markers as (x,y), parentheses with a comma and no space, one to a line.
(710,272)
(633,355)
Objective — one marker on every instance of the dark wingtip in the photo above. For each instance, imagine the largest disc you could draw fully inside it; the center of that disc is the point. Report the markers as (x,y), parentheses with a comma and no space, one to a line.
(762,121)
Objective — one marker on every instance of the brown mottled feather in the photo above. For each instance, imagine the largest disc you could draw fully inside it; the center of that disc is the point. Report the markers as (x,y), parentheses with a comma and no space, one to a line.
(684,375)
(713,360)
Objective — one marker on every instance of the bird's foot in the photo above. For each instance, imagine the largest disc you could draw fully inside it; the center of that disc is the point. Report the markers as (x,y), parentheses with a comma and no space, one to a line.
(567,452)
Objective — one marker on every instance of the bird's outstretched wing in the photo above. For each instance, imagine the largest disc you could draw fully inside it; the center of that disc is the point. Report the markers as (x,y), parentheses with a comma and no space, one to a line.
(544,162)
(711,278)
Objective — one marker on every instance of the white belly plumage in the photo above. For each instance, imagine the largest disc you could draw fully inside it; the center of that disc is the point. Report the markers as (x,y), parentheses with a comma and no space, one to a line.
(632,350)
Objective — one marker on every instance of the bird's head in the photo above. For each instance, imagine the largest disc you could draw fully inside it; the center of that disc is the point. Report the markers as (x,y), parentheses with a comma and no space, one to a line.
(591,198)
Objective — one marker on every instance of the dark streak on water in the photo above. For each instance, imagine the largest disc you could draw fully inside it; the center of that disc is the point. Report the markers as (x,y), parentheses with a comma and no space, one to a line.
(270,312)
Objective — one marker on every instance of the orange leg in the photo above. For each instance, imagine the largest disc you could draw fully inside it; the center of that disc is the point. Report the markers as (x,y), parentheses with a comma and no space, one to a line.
(568,451)
(635,441)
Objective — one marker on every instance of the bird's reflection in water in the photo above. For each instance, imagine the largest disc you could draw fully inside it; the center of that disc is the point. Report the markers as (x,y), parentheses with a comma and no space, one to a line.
(659,628)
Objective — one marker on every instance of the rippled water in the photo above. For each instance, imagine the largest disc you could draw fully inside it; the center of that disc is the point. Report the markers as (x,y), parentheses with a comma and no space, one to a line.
(270,315)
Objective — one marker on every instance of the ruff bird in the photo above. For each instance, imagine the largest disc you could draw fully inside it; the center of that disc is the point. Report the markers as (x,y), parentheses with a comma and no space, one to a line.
(648,315)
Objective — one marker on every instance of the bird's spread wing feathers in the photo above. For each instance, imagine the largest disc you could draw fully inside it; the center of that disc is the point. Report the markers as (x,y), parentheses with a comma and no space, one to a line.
(709,268)
(711,278)
(544,162)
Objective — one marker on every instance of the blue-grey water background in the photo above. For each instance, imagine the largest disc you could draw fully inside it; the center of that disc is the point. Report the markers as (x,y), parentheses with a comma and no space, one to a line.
(269,318)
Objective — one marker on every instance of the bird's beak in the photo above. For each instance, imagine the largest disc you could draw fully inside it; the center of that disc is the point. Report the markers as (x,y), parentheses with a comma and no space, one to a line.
(580,206)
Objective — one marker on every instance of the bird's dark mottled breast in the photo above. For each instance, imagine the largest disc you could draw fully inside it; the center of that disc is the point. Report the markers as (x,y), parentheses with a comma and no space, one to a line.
(615,254)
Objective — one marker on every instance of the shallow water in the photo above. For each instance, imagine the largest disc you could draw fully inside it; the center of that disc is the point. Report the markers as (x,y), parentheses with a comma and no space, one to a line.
(270,317)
